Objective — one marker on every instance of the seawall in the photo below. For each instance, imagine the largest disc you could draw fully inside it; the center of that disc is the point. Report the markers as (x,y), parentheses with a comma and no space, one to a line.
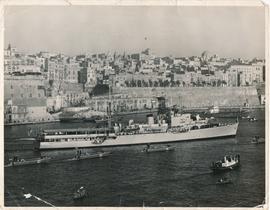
(198,96)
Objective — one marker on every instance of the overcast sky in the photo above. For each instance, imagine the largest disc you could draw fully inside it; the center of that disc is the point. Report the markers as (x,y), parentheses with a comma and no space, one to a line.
(178,31)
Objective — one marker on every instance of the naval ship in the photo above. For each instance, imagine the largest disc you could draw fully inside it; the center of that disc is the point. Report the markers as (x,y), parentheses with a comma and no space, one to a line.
(181,127)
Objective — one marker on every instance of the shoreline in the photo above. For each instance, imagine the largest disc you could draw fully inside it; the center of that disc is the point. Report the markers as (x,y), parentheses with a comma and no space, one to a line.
(191,109)
(29,123)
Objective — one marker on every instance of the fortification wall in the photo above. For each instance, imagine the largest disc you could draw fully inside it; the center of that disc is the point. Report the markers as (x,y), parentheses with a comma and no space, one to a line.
(198,96)
(23,88)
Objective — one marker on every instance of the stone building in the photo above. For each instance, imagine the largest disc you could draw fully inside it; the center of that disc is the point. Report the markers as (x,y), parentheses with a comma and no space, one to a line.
(24,86)
(71,71)
(24,99)
(55,103)
(248,74)
(120,103)
(28,69)
(56,70)
(91,76)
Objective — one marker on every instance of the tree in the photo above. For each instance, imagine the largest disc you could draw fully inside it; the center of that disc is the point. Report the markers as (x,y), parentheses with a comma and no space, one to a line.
(127,83)
(219,83)
(133,83)
(223,82)
(166,83)
(160,83)
(150,83)
(144,83)
(139,83)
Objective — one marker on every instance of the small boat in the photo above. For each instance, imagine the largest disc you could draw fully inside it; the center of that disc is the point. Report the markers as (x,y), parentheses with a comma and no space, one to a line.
(252,119)
(80,194)
(160,149)
(96,119)
(227,163)
(246,117)
(257,140)
(20,162)
(100,119)
(83,156)
(224,180)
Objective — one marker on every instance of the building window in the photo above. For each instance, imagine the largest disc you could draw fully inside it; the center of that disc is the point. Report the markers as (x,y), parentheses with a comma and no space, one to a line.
(30,95)
(22,95)
(11,87)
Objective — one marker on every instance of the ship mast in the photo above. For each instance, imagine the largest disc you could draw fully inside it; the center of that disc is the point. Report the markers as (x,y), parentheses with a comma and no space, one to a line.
(109,108)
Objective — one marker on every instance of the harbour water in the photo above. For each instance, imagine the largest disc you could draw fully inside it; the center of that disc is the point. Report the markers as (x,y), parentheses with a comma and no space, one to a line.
(129,177)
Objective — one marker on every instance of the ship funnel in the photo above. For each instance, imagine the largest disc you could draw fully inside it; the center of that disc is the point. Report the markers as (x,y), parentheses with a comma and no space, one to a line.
(150,119)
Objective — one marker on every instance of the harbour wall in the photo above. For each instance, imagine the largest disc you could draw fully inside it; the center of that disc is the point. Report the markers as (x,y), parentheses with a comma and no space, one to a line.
(198,96)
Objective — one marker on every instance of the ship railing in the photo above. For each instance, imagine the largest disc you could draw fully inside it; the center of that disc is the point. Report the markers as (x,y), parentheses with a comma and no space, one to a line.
(141,132)
(76,138)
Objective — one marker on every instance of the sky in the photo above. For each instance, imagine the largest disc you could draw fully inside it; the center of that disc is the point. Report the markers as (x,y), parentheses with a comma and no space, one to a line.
(237,32)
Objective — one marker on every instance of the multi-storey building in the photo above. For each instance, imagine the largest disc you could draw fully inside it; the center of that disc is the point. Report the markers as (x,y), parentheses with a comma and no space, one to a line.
(71,71)
(40,62)
(232,78)
(11,65)
(91,76)
(25,99)
(56,70)
(121,103)
(28,69)
(248,74)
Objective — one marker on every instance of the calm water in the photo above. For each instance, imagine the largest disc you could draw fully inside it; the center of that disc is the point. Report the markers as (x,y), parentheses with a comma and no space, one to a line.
(131,178)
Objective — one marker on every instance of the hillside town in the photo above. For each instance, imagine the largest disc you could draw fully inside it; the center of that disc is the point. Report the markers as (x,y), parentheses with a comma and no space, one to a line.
(38,86)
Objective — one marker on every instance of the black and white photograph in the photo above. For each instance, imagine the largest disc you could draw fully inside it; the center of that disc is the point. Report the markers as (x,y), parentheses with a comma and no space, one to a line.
(134,105)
